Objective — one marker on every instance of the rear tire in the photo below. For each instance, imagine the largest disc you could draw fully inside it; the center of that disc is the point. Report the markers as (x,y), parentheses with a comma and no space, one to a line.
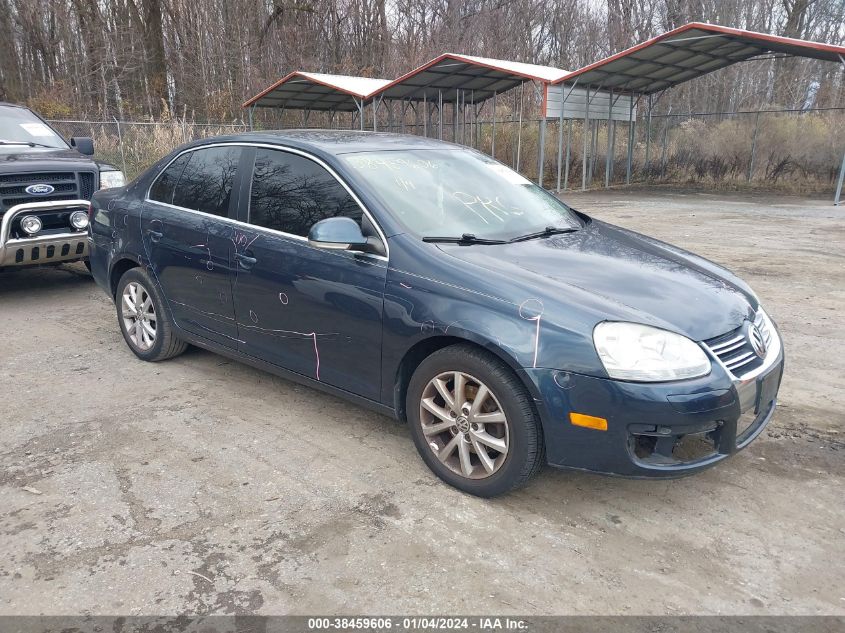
(146,326)
(473,421)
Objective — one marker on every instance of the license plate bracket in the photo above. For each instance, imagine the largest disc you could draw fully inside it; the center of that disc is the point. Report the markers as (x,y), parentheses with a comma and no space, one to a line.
(767,388)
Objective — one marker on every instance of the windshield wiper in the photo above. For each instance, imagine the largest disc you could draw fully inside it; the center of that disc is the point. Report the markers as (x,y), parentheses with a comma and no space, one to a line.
(30,143)
(549,230)
(466,238)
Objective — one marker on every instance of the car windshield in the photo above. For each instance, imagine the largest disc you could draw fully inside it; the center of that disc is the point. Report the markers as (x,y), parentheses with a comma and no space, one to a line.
(455,192)
(19,125)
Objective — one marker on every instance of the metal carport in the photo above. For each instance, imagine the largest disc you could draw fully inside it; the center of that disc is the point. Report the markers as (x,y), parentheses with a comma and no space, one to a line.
(317,91)
(685,53)
(463,80)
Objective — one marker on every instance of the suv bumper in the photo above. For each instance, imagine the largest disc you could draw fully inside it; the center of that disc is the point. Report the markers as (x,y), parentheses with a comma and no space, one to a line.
(654,429)
(49,248)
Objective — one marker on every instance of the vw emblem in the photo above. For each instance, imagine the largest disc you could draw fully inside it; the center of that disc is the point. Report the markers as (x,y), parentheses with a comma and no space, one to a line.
(40,190)
(755,338)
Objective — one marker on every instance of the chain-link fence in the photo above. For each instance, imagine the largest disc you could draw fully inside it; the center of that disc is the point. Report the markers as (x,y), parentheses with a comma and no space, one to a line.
(134,146)
(799,150)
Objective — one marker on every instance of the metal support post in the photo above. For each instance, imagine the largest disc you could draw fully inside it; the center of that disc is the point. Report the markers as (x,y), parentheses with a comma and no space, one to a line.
(568,153)
(519,131)
(607,157)
(440,113)
(456,108)
(665,147)
(493,136)
(648,135)
(753,146)
(541,151)
(631,138)
(837,197)
(584,134)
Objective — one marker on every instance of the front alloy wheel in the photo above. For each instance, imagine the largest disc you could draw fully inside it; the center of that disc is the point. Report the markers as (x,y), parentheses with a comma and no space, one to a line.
(139,317)
(473,421)
(464,424)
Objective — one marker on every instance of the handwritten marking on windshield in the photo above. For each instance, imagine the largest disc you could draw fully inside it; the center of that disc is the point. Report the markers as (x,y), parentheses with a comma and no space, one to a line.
(392,164)
(476,204)
(407,185)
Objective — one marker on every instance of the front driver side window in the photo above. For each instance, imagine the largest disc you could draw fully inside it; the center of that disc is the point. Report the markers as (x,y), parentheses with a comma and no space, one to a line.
(290,193)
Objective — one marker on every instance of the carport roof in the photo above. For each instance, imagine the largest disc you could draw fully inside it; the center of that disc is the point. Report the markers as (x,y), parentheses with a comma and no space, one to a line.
(688,52)
(476,76)
(316,91)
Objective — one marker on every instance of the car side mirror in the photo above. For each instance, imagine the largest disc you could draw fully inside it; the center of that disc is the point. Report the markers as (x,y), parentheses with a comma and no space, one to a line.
(338,234)
(83,144)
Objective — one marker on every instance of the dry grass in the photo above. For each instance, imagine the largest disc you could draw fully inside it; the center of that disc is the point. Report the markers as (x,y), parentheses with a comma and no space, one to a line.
(793,152)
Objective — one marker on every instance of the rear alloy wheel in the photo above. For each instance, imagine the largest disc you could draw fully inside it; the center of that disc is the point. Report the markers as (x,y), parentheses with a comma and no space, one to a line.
(139,316)
(146,327)
(467,429)
(473,421)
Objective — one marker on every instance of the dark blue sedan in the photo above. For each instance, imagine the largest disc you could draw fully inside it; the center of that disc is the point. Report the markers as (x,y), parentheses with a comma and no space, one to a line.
(434,284)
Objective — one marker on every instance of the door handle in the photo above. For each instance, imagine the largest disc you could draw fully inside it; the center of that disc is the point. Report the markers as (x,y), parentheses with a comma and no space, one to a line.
(246,261)
(155,236)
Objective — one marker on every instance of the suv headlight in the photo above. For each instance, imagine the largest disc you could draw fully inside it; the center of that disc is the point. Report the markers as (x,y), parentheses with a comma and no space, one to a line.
(109,179)
(630,351)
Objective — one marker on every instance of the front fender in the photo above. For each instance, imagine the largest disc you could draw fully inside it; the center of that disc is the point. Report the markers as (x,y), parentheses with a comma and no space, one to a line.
(417,308)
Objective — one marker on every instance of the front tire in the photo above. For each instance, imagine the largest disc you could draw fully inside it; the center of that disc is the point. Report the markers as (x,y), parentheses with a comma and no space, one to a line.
(145,324)
(473,421)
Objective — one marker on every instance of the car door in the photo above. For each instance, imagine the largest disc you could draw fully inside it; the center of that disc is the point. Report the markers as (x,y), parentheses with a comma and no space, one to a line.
(189,239)
(312,311)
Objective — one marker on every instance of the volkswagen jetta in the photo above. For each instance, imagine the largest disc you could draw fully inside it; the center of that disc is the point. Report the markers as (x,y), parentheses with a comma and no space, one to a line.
(432,283)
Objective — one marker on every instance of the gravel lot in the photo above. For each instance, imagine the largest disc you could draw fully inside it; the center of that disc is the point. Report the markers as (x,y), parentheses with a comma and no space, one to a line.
(201,485)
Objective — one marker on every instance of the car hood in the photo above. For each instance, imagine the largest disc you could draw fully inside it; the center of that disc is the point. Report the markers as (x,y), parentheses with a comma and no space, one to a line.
(22,158)
(628,276)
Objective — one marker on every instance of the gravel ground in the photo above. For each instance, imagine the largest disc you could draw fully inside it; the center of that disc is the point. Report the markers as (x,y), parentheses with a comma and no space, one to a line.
(200,485)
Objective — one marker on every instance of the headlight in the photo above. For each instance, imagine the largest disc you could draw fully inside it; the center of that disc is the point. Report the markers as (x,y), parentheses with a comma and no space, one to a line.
(79,220)
(630,351)
(110,179)
(31,224)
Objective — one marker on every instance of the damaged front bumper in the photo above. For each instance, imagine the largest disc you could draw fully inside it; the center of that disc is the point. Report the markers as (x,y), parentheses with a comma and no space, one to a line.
(655,429)
(49,246)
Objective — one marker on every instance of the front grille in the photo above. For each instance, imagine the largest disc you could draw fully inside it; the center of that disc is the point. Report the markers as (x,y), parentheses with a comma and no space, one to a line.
(735,348)
(68,185)
(86,185)
(28,179)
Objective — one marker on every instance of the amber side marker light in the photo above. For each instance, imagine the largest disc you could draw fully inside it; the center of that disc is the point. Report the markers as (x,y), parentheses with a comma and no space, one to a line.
(588,421)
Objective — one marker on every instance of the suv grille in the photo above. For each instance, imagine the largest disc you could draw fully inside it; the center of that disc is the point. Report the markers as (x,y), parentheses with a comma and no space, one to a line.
(67,185)
(735,349)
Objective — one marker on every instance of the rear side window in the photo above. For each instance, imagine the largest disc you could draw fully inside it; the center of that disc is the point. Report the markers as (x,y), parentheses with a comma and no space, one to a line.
(207,180)
(290,193)
(162,189)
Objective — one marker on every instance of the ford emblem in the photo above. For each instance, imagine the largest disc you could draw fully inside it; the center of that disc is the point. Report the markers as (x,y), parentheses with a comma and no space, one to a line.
(40,190)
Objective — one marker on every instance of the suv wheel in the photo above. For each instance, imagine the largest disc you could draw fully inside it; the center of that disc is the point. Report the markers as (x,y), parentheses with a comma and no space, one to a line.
(473,422)
(145,325)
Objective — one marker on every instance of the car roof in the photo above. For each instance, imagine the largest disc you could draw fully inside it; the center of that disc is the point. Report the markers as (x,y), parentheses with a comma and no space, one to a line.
(334,141)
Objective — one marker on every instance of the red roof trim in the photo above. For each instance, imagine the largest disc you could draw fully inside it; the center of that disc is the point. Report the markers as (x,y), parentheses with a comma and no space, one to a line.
(713,28)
